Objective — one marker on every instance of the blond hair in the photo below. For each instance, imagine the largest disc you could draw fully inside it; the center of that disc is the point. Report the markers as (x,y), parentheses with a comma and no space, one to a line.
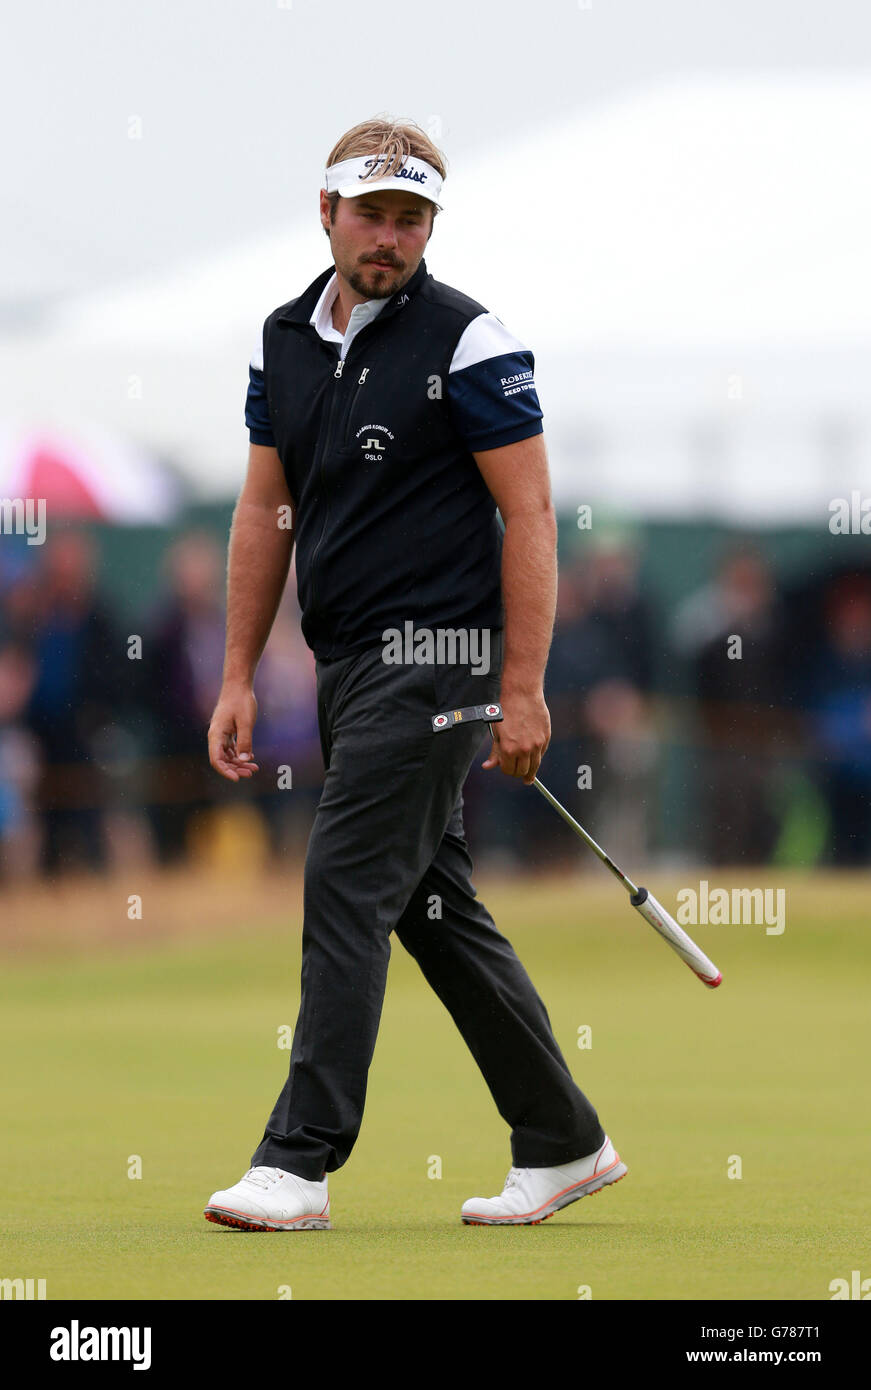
(394,140)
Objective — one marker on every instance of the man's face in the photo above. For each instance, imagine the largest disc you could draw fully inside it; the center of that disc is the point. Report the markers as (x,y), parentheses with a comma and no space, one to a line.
(378,239)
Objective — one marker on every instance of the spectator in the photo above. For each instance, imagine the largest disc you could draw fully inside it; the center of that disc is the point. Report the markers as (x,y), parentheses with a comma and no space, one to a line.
(841,717)
(19,765)
(76,692)
(182,665)
(738,685)
(599,683)
(286,733)
(596,686)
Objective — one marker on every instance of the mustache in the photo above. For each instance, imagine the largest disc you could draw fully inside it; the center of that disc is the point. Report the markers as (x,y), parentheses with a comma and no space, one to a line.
(387,260)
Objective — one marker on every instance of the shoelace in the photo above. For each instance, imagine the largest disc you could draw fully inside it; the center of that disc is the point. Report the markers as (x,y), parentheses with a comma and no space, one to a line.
(263,1177)
(513,1175)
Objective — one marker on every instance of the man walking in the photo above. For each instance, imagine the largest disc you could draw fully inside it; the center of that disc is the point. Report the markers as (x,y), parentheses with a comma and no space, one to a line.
(389,416)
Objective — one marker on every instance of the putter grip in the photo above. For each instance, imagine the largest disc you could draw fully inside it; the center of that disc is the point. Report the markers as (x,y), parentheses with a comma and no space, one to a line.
(661,921)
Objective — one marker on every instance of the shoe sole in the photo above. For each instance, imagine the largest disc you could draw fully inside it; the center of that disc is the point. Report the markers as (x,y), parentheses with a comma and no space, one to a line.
(588,1188)
(222,1216)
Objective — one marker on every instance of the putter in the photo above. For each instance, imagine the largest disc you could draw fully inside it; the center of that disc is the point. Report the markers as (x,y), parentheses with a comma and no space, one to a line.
(641,899)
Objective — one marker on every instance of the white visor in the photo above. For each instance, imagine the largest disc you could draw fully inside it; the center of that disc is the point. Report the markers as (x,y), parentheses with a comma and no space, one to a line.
(348,178)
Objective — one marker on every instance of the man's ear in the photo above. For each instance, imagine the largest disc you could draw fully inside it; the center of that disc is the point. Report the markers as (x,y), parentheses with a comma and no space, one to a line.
(325,211)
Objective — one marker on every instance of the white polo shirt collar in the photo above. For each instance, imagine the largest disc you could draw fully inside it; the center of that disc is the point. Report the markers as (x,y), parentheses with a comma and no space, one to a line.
(361,314)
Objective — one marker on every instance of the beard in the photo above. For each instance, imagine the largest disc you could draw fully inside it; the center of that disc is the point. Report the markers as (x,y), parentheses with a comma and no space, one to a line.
(374,283)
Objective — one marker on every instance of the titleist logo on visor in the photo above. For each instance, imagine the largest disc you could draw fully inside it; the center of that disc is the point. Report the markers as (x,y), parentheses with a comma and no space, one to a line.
(352,177)
(406,172)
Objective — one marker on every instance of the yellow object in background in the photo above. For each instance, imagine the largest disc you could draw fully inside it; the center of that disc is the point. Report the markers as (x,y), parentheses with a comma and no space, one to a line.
(231,839)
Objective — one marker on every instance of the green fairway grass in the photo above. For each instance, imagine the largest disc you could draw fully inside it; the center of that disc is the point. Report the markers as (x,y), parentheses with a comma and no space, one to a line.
(168,1050)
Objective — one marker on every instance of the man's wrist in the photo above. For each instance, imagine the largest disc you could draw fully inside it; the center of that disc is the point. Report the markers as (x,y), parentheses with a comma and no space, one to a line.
(238,680)
(521,683)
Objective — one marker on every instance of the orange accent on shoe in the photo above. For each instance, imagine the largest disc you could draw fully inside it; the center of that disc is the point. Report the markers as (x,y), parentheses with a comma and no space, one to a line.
(247,1223)
(522,1221)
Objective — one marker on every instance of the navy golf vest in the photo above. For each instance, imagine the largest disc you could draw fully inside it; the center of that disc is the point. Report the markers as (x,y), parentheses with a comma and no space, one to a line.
(393,519)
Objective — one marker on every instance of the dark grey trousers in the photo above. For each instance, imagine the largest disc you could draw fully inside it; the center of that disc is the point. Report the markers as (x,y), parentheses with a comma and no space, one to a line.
(387,853)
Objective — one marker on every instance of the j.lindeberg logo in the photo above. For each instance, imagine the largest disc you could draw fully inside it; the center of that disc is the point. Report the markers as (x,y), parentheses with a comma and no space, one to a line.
(372,441)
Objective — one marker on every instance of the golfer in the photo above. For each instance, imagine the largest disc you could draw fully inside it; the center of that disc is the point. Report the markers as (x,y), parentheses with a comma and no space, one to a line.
(389,417)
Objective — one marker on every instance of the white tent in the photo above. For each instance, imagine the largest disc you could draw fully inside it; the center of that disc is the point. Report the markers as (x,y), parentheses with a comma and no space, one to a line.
(688,264)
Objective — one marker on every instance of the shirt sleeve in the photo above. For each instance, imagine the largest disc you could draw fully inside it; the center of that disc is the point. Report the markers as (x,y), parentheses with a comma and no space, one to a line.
(256,405)
(491,386)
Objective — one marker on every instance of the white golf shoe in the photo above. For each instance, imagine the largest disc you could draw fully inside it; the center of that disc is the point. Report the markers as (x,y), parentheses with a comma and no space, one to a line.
(531,1195)
(269,1199)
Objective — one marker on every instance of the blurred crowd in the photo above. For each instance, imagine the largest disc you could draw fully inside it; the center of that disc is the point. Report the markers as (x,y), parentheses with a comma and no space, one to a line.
(103,749)
(734,728)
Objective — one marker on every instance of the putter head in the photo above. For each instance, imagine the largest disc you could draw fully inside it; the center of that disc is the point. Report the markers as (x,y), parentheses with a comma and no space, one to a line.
(469,714)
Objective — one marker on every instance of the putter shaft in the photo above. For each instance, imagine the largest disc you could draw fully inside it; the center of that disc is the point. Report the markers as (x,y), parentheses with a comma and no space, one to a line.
(481,712)
(587,839)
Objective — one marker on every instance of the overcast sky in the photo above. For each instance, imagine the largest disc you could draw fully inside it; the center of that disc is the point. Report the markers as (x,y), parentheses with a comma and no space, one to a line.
(240,101)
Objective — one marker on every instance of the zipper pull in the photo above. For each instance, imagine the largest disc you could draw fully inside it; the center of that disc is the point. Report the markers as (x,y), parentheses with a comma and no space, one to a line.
(363,375)
(339,365)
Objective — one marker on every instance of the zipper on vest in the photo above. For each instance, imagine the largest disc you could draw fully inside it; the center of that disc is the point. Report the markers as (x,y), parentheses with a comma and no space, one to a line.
(337,374)
(361,381)
(323,453)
